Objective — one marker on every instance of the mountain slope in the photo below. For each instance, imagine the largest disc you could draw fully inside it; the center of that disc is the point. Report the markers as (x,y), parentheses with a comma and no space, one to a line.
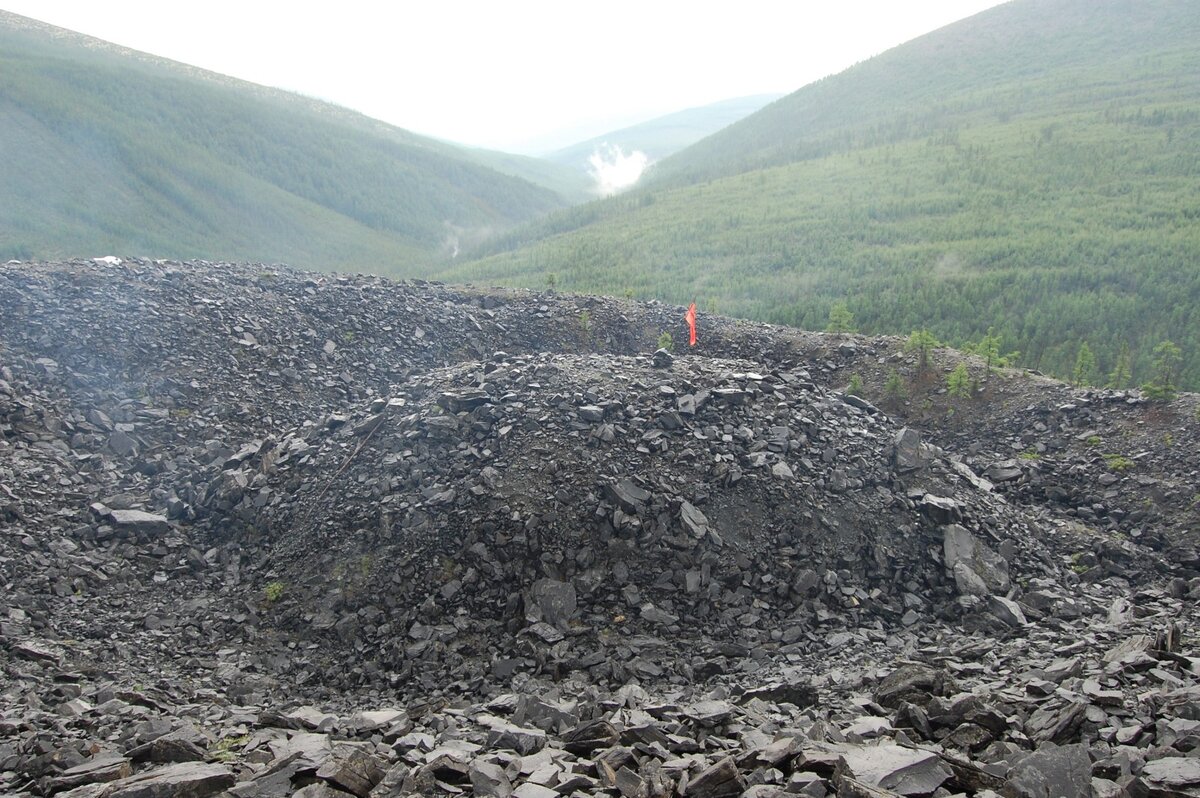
(109,150)
(572,184)
(1031,169)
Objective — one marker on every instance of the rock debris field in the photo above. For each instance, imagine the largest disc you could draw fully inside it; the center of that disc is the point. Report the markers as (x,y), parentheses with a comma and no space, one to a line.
(273,533)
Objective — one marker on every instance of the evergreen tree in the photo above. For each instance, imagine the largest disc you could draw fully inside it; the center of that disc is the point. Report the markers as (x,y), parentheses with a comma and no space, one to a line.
(922,342)
(893,389)
(841,320)
(959,382)
(855,388)
(1164,386)
(1085,366)
(1122,372)
(989,350)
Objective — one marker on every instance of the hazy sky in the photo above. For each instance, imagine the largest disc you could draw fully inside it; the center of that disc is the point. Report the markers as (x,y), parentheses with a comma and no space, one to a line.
(518,75)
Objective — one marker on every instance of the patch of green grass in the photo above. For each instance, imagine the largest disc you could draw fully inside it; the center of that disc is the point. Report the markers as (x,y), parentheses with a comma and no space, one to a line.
(226,749)
(274,591)
(1118,462)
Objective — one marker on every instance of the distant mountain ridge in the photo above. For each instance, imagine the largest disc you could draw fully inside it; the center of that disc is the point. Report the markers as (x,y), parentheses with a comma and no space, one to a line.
(1032,169)
(110,150)
(667,134)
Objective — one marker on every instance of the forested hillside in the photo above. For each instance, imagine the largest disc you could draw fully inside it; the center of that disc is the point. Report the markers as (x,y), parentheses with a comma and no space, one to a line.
(109,150)
(1033,169)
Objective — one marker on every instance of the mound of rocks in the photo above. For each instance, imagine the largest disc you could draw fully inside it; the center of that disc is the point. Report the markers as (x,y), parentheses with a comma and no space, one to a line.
(671,518)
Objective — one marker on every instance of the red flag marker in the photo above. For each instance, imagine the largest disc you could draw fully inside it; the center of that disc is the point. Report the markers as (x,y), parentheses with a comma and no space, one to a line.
(691,320)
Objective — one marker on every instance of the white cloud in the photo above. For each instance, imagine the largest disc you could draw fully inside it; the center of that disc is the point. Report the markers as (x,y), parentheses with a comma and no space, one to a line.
(614,170)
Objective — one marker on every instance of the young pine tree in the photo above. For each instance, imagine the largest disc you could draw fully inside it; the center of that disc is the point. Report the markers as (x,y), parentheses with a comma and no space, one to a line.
(922,342)
(1122,371)
(1164,386)
(893,389)
(1085,366)
(959,382)
(989,350)
(841,320)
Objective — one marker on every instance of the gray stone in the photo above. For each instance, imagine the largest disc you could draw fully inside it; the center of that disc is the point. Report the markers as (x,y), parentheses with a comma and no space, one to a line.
(489,780)
(590,736)
(1172,772)
(801,694)
(555,601)
(709,713)
(968,582)
(913,683)
(101,769)
(351,769)
(906,452)
(940,509)
(657,616)
(693,520)
(174,747)
(531,790)
(121,443)
(1003,471)
(1057,724)
(182,780)
(627,495)
(959,546)
(320,790)
(717,781)
(515,738)
(904,771)
(630,784)
(1050,772)
(591,413)
(392,783)
(140,520)
(1007,610)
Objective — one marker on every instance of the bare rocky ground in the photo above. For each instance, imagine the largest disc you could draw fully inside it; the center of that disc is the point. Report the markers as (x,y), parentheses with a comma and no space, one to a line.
(270,533)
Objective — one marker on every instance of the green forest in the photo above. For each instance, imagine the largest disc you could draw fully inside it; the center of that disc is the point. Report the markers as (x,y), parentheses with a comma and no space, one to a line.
(1046,186)
(107,150)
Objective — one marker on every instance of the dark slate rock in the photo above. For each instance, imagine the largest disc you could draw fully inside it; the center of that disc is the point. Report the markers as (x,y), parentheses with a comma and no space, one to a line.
(912,683)
(717,781)
(627,495)
(352,769)
(906,451)
(1052,772)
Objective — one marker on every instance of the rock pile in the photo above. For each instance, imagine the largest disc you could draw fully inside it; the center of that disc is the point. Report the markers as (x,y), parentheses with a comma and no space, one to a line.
(604,514)
(266,533)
